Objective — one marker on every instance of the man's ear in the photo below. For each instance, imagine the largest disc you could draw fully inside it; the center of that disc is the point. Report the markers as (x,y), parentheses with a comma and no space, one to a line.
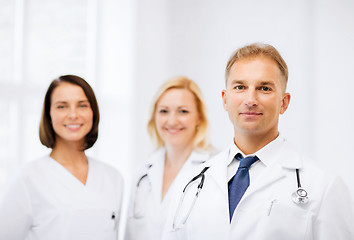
(285,102)
(224,98)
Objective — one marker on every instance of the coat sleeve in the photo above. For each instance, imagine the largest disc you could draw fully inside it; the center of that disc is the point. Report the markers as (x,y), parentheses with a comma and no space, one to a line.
(15,211)
(335,217)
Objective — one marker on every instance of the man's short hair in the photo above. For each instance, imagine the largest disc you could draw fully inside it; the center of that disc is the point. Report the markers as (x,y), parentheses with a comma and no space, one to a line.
(256,50)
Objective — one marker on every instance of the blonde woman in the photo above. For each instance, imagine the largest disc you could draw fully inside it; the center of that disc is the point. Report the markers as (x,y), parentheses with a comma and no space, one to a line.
(178,126)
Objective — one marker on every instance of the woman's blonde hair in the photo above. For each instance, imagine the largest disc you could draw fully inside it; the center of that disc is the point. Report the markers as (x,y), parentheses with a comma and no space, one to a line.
(180,82)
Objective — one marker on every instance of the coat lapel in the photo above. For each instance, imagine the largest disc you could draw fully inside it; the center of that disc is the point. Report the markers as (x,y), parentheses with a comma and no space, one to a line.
(269,176)
(155,174)
(218,170)
(288,159)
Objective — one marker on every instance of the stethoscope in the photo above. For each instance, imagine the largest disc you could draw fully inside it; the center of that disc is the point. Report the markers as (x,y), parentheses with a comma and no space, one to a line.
(298,197)
(183,219)
(139,213)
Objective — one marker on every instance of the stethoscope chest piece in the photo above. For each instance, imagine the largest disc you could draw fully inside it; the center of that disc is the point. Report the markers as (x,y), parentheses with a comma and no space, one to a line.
(300,196)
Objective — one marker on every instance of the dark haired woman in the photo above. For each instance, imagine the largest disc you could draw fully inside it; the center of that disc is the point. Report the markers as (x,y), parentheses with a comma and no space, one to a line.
(65,195)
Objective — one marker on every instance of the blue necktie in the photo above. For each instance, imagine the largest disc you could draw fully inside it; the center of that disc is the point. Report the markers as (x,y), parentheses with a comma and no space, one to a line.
(240,182)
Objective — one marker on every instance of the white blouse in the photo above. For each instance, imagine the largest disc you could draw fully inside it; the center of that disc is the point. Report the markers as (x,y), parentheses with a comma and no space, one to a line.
(46,201)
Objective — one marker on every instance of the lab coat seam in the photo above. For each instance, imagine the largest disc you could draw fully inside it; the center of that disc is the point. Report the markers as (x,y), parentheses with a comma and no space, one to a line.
(327,189)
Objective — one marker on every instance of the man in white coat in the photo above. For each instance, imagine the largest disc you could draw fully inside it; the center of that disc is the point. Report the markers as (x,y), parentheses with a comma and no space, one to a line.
(277,193)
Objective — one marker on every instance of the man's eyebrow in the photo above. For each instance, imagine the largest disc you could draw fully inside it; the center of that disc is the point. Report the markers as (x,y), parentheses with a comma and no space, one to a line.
(237,81)
(267,83)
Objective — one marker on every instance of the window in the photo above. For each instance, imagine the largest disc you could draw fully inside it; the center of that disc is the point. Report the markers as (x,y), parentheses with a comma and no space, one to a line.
(41,40)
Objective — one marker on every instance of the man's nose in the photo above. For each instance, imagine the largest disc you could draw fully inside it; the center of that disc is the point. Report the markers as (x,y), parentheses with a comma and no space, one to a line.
(251,98)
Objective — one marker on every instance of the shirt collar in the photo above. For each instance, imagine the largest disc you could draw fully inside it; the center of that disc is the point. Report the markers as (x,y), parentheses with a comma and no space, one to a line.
(267,155)
(197,156)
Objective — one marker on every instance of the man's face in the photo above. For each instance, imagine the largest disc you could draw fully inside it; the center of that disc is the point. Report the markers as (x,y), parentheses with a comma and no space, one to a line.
(254,96)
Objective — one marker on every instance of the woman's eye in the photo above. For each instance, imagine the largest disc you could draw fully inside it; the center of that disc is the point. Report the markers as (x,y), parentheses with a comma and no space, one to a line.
(163,111)
(184,111)
(60,107)
(83,105)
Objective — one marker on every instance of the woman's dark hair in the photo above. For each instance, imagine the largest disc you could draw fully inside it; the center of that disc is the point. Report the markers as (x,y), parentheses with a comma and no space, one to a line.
(46,131)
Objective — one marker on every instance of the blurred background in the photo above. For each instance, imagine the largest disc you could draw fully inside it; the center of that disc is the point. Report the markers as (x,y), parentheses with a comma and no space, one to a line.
(126,49)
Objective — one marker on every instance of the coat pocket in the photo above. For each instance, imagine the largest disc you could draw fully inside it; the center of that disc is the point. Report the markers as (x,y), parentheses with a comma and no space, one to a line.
(92,224)
(285,221)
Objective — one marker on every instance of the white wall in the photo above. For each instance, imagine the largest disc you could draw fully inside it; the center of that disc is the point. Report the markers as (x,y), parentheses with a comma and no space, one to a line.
(334,84)
(196,38)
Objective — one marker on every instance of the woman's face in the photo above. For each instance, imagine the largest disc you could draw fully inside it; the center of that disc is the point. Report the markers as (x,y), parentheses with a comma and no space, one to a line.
(177,117)
(71,113)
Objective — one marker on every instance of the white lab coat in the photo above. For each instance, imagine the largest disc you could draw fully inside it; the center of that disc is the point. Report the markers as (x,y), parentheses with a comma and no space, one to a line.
(266,210)
(46,202)
(148,211)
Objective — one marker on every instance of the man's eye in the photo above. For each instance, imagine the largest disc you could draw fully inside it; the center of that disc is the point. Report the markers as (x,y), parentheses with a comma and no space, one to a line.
(239,87)
(266,89)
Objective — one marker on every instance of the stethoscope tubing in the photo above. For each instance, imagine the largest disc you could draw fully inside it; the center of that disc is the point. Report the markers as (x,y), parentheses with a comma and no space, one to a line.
(299,196)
